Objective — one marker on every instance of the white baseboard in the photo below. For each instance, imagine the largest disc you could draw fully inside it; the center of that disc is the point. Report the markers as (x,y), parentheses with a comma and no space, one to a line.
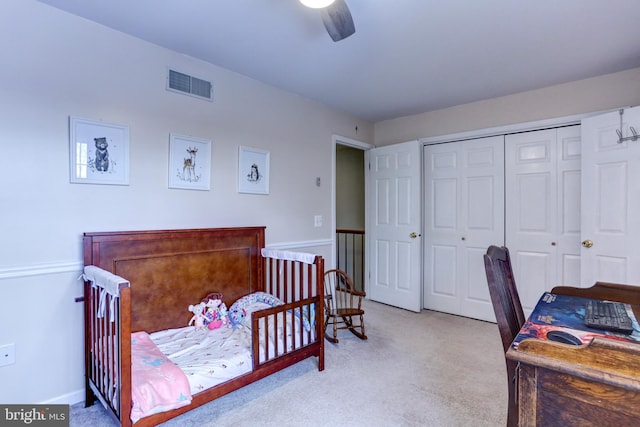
(66,399)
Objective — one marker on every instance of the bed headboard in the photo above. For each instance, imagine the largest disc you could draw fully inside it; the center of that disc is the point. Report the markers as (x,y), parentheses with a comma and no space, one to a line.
(171,269)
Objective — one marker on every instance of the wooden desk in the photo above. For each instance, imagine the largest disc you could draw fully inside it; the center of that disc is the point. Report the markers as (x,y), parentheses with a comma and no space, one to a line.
(596,384)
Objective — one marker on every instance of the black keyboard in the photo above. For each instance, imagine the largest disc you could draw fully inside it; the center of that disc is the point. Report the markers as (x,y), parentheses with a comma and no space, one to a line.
(606,315)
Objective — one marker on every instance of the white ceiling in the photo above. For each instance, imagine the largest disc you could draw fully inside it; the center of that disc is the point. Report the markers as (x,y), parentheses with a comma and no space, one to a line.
(406,57)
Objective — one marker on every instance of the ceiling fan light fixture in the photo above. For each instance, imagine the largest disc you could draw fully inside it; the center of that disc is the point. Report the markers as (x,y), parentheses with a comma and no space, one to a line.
(316,4)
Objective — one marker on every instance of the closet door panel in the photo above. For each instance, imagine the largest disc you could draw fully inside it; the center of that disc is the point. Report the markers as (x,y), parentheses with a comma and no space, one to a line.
(483,175)
(569,199)
(570,269)
(476,283)
(482,211)
(442,192)
(480,199)
(444,205)
(442,275)
(464,206)
(533,274)
(535,210)
(543,185)
(445,269)
(530,170)
(570,204)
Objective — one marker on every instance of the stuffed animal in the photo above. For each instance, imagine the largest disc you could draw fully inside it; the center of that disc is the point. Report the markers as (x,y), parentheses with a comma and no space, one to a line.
(237,315)
(223,313)
(238,312)
(198,315)
(216,314)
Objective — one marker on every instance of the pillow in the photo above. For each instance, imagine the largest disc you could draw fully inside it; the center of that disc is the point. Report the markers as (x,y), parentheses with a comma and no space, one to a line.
(238,310)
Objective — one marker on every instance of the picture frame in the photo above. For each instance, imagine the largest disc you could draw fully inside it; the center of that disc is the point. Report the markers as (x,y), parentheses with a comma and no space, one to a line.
(99,152)
(189,162)
(253,170)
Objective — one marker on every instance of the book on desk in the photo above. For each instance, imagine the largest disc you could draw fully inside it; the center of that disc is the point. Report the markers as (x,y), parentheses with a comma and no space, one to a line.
(567,313)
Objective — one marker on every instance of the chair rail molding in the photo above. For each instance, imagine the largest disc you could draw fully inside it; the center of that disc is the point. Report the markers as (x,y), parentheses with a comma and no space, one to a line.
(76,266)
(40,269)
(301,244)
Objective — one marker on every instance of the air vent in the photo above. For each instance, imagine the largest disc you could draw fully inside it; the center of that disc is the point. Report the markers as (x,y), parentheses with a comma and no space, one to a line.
(184,83)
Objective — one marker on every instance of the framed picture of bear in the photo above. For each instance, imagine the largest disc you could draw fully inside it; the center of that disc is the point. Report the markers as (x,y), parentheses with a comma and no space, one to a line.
(99,152)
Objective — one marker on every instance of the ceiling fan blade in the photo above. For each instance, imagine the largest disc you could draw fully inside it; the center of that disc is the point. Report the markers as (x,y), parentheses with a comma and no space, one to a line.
(337,20)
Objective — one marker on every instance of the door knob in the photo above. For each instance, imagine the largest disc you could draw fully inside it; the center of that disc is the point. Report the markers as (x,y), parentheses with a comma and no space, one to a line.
(587,243)
(413,235)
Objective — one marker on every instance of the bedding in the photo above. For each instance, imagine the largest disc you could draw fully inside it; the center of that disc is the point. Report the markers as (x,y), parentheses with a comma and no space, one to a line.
(210,357)
(206,357)
(157,383)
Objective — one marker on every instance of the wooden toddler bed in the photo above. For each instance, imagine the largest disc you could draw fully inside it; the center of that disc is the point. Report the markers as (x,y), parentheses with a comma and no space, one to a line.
(158,274)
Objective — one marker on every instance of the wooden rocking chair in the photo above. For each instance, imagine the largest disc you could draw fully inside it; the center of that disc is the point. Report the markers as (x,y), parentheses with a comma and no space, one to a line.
(343,305)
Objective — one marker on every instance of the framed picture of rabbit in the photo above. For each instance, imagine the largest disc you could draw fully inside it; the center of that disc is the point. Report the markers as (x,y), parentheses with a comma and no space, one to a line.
(99,152)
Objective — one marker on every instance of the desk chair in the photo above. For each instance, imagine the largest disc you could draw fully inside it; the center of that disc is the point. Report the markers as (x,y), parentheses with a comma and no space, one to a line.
(508,311)
(343,305)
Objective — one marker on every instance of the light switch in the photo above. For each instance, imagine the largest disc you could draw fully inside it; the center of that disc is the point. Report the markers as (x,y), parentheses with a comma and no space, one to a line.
(317,221)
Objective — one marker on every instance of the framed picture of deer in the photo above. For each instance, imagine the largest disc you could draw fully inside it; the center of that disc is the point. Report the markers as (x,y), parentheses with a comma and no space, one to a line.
(253,170)
(98,151)
(189,162)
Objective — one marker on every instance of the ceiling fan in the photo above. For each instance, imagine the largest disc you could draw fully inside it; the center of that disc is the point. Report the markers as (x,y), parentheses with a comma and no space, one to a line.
(336,17)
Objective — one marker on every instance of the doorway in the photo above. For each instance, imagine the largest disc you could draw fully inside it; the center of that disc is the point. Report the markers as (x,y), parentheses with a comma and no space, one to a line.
(349,208)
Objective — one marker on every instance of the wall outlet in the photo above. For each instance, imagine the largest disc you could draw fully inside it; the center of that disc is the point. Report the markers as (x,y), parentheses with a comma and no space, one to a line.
(317,221)
(7,354)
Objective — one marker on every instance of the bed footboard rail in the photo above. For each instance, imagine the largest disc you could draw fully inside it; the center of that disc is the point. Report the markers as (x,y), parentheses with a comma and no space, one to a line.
(107,320)
(296,279)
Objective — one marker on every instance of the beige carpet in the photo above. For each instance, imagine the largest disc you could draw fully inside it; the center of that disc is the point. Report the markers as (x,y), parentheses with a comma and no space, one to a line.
(416,369)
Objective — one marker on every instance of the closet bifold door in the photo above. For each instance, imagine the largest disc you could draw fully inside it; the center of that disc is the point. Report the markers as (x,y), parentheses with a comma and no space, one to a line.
(464,214)
(542,215)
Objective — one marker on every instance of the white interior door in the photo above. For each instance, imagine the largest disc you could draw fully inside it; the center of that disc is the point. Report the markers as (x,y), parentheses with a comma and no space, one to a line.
(610,199)
(394,219)
(542,193)
(464,214)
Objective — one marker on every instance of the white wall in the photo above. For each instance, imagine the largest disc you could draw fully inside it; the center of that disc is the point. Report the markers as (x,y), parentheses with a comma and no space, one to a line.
(56,65)
(575,98)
